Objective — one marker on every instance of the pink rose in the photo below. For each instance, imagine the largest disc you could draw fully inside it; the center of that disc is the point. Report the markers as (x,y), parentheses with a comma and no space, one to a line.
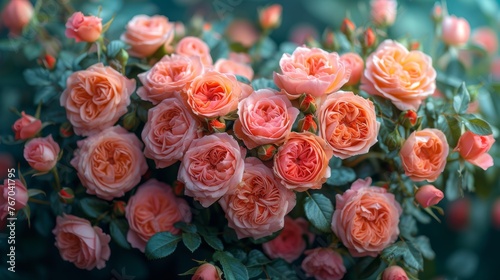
(16,15)
(233,67)
(290,243)
(486,38)
(110,163)
(383,12)
(404,77)
(169,131)
(270,17)
(495,214)
(242,31)
(42,153)
(354,62)
(348,123)
(212,166)
(474,149)
(80,243)
(302,33)
(312,71)
(424,154)
(96,98)
(458,214)
(12,194)
(83,28)
(26,127)
(394,272)
(366,218)
(455,31)
(428,195)
(206,271)
(258,204)
(323,264)
(154,208)
(145,34)
(193,46)
(264,117)
(302,162)
(172,74)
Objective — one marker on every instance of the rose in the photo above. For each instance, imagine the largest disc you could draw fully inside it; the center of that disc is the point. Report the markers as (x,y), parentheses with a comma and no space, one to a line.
(312,71)
(455,31)
(80,243)
(354,62)
(83,28)
(348,124)
(289,244)
(323,264)
(6,163)
(264,117)
(258,205)
(495,214)
(110,163)
(383,12)
(404,77)
(169,131)
(42,153)
(145,35)
(212,166)
(394,272)
(270,17)
(474,149)
(193,46)
(154,208)
(12,191)
(242,31)
(26,127)
(302,162)
(366,218)
(428,195)
(486,38)
(96,98)
(458,214)
(302,33)
(16,15)
(423,154)
(172,74)
(206,271)
(233,67)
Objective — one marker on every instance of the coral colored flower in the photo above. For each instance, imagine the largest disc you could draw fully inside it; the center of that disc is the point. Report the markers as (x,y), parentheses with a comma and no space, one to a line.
(193,46)
(487,38)
(242,31)
(404,77)
(42,153)
(290,243)
(233,67)
(83,28)
(302,162)
(428,195)
(455,31)
(154,208)
(206,271)
(16,15)
(323,264)
(258,205)
(96,98)
(348,124)
(394,272)
(145,35)
(110,163)
(26,127)
(424,154)
(212,166)
(354,62)
(383,12)
(474,149)
(270,17)
(366,218)
(12,190)
(78,242)
(264,117)
(312,71)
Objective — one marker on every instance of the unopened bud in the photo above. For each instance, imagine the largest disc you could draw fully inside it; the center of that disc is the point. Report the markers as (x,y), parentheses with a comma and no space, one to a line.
(49,61)
(266,152)
(178,188)
(66,195)
(119,208)
(348,28)
(415,46)
(122,57)
(408,118)
(66,130)
(308,123)
(216,125)
(270,17)
(307,104)
(130,121)
(394,141)
(329,40)
(369,38)
(437,13)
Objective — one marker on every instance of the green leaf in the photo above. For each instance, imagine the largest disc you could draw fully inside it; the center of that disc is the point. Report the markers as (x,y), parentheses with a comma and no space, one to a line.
(233,268)
(423,244)
(114,47)
(461,100)
(341,176)
(257,258)
(229,235)
(161,245)
(368,268)
(191,240)
(191,228)
(453,189)
(10,44)
(407,226)
(319,211)
(263,83)
(35,192)
(384,105)
(279,269)
(190,271)
(214,242)
(243,79)
(406,252)
(37,77)
(478,126)
(450,126)
(93,207)
(118,230)
(455,69)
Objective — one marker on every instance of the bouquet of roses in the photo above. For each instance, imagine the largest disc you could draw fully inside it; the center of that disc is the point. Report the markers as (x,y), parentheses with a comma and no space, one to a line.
(314,159)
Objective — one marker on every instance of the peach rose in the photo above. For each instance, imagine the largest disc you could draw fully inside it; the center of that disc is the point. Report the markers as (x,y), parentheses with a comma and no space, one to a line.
(354,62)
(474,149)
(26,127)
(312,71)
(80,243)
(366,218)
(428,195)
(455,31)
(83,28)
(424,154)
(16,15)
(96,98)
(270,17)
(242,31)
(169,131)
(13,194)
(383,12)
(404,77)
(302,162)
(394,272)
(323,264)
(212,166)
(172,74)
(348,124)
(290,243)
(42,153)
(487,38)
(206,271)
(258,205)
(193,46)
(264,117)
(145,35)
(233,67)
(110,163)
(154,208)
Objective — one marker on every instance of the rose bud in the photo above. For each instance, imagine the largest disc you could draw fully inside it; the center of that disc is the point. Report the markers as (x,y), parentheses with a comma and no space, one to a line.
(307,104)
(207,271)
(83,28)
(119,208)
(329,40)
(394,141)
(428,195)
(66,195)
(308,123)
(26,127)
(408,118)
(369,38)
(394,272)
(266,152)
(270,17)
(216,125)
(178,188)
(130,121)
(122,56)
(415,46)
(487,38)
(42,153)
(458,214)
(495,214)
(347,28)
(474,149)
(16,15)
(383,12)
(455,31)
(66,130)
(49,61)
(437,13)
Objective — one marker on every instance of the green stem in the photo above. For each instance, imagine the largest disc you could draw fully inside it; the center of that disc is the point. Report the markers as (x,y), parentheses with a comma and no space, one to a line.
(56,178)
(38,201)
(361,158)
